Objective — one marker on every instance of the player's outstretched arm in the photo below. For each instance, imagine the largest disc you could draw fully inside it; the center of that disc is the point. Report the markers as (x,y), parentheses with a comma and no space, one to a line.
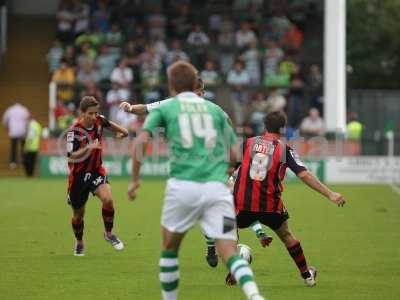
(318,186)
(137,109)
(120,132)
(139,150)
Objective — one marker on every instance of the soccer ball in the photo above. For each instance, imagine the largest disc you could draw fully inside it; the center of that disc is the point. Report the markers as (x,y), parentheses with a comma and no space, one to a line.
(245,252)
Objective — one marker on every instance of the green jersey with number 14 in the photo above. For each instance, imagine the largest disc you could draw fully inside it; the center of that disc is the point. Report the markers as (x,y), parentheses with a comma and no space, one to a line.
(199,136)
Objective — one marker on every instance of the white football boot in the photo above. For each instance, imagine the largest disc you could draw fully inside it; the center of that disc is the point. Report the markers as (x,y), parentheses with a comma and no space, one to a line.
(310,281)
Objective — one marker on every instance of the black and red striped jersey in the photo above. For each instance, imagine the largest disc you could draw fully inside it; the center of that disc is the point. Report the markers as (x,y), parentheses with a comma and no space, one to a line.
(78,137)
(258,186)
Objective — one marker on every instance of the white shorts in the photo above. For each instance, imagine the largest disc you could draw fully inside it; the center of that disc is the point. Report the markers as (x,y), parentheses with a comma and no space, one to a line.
(209,203)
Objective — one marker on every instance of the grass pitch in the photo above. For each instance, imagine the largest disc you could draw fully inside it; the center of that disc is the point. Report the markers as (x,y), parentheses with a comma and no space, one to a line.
(356,248)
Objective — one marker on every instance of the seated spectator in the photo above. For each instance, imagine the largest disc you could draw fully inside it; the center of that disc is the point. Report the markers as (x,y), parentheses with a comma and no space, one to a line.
(275,100)
(114,97)
(238,79)
(244,36)
(281,23)
(54,56)
(87,53)
(198,40)
(89,37)
(292,39)
(65,78)
(101,17)
(64,74)
(157,23)
(91,89)
(67,118)
(209,75)
(176,53)
(272,57)
(296,99)
(122,74)
(279,79)
(315,84)
(226,34)
(150,74)
(65,21)
(105,63)
(148,56)
(181,23)
(114,39)
(81,14)
(251,58)
(159,46)
(288,66)
(313,125)
(214,24)
(70,56)
(258,110)
(87,73)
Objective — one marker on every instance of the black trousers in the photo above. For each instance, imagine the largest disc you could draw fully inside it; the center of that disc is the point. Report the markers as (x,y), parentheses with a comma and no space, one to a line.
(14,153)
(30,163)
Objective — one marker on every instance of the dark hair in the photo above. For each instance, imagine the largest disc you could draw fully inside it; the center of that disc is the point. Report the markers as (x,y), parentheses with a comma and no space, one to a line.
(275,121)
(86,102)
(182,76)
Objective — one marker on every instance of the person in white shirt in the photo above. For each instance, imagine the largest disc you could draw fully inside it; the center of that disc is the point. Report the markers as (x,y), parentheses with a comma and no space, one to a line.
(114,98)
(238,79)
(313,125)
(244,36)
(275,101)
(198,37)
(122,74)
(16,119)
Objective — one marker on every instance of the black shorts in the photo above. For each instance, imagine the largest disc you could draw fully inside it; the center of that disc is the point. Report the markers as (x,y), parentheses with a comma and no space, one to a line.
(81,185)
(273,220)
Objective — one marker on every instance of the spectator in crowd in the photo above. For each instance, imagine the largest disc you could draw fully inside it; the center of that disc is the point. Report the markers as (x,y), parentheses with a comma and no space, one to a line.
(81,16)
(70,56)
(288,66)
(114,39)
(105,62)
(91,89)
(315,84)
(149,57)
(354,127)
(101,17)
(238,79)
(278,79)
(273,55)
(198,40)
(226,41)
(258,110)
(87,53)
(65,21)
(64,74)
(114,97)
(66,117)
(244,36)
(15,119)
(122,74)
(209,75)
(176,53)
(292,39)
(275,101)
(251,58)
(87,73)
(92,38)
(313,125)
(181,23)
(54,56)
(281,24)
(296,99)
(159,46)
(157,23)
(32,146)
(214,24)
(139,36)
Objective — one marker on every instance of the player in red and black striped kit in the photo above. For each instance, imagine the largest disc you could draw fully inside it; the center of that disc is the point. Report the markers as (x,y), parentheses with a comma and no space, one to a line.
(86,171)
(258,188)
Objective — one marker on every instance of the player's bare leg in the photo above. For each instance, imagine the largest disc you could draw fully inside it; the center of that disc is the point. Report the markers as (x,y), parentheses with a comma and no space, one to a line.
(77,226)
(296,252)
(239,268)
(169,264)
(103,192)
